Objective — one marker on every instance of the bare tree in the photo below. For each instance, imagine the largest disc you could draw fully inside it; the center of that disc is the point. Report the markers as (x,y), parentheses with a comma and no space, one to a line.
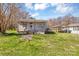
(9,16)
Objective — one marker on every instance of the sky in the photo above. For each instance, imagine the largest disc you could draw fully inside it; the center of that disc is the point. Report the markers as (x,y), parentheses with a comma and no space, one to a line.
(47,11)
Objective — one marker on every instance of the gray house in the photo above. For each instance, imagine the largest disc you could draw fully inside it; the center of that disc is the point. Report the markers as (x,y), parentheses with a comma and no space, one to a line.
(34,26)
(74,28)
(71,28)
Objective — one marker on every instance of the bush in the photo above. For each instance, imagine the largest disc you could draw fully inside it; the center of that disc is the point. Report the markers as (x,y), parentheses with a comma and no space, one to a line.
(65,31)
(48,31)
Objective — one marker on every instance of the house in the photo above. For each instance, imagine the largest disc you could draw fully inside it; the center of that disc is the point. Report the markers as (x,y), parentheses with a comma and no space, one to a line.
(34,26)
(74,28)
(57,28)
(71,28)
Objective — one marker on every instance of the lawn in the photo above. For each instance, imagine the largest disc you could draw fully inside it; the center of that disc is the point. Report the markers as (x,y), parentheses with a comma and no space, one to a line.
(59,44)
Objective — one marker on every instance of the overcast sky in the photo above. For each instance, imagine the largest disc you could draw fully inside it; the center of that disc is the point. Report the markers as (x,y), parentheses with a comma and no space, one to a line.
(51,10)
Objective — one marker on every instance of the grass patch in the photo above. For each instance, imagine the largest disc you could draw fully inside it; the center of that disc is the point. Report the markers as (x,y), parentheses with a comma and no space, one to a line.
(59,44)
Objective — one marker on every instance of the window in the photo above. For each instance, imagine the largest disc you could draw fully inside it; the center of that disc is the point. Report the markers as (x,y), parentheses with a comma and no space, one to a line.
(24,25)
(75,28)
(78,28)
(42,25)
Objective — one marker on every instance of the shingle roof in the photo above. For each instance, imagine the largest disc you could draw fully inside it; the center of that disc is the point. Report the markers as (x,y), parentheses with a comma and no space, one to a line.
(56,26)
(30,20)
(59,26)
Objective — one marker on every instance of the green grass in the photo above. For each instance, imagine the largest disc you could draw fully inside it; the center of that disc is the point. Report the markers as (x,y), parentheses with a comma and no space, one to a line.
(59,44)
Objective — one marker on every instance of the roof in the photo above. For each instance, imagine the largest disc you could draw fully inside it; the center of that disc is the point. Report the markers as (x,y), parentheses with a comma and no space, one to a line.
(59,26)
(75,24)
(56,26)
(70,25)
(32,20)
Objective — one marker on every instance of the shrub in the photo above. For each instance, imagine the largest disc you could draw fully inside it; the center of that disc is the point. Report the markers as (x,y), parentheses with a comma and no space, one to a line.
(48,31)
